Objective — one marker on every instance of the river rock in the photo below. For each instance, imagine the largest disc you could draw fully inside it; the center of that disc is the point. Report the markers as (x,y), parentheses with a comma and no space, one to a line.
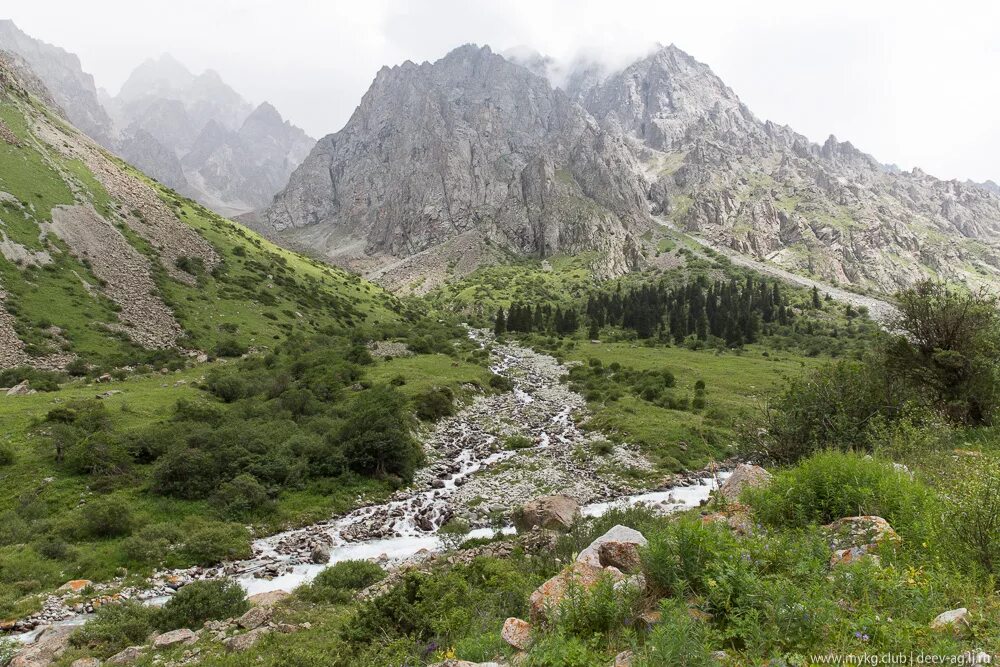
(622,534)
(48,647)
(557,512)
(320,554)
(174,637)
(517,633)
(128,656)
(744,477)
(75,586)
(954,618)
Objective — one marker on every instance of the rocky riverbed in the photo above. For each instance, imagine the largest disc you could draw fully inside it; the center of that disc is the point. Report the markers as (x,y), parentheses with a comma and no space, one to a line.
(471,475)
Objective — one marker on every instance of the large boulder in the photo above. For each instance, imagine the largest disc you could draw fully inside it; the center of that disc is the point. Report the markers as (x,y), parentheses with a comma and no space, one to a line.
(856,537)
(516,633)
(320,554)
(556,512)
(255,617)
(47,648)
(744,477)
(623,535)
(175,637)
(22,389)
(268,598)
(547,597)
(622,555)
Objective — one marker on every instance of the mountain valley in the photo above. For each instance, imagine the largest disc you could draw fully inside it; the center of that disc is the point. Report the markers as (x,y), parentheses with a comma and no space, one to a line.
(604,374)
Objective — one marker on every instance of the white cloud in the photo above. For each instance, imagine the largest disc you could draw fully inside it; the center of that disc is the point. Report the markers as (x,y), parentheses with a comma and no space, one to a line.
(910,82)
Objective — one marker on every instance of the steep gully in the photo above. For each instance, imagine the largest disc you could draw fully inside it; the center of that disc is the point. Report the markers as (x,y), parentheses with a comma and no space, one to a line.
(464,450)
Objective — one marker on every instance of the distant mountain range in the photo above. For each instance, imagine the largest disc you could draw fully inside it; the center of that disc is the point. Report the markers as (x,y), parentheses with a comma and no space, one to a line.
(447,165)
(192,132)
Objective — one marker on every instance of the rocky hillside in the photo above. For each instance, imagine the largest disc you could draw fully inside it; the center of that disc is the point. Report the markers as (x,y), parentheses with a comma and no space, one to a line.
(459,158)
(99,263)
(71,88)
(193,133)
(446,165)
(760,188)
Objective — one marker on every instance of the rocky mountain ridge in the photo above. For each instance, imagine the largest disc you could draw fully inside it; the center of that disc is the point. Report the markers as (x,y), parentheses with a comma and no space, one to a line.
(102,266)
(475,156)
(193,133)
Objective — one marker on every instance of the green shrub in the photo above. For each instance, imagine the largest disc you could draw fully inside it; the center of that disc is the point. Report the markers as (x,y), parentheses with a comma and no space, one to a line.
(831,407)
(678,640)
(106,518)
(116,627)
(210,543)
(338,583)
(435,403)
(151,544)
(681,557)
(972,518)
(515,442)
(561,650)
(376,436)
(230,347)
(831,485)
(202,601)
(241,497)
(6,455)
(599,610)
(501,383)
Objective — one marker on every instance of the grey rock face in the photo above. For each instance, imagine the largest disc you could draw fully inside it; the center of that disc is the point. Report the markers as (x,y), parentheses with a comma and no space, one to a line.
(765,191)
(476,149)
(469,144)
(60,71)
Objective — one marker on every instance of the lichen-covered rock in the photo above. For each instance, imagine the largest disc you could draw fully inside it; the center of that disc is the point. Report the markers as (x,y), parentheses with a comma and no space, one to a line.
(175,637)
(516,633)
(622,555)
(255,617)
(239,643)
(545,600)
(855,537)
(267,599)
(127,656)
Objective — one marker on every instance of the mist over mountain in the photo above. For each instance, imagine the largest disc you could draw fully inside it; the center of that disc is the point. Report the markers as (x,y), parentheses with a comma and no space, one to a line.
(193,133)
(449,161)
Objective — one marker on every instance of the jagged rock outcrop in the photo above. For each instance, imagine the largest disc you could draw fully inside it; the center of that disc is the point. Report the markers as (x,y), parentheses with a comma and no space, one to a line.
(71,88)
(469,145)
(476,146)
(765,191)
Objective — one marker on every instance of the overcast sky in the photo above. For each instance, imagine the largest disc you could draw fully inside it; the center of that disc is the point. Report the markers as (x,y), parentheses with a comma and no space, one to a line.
(913,83)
